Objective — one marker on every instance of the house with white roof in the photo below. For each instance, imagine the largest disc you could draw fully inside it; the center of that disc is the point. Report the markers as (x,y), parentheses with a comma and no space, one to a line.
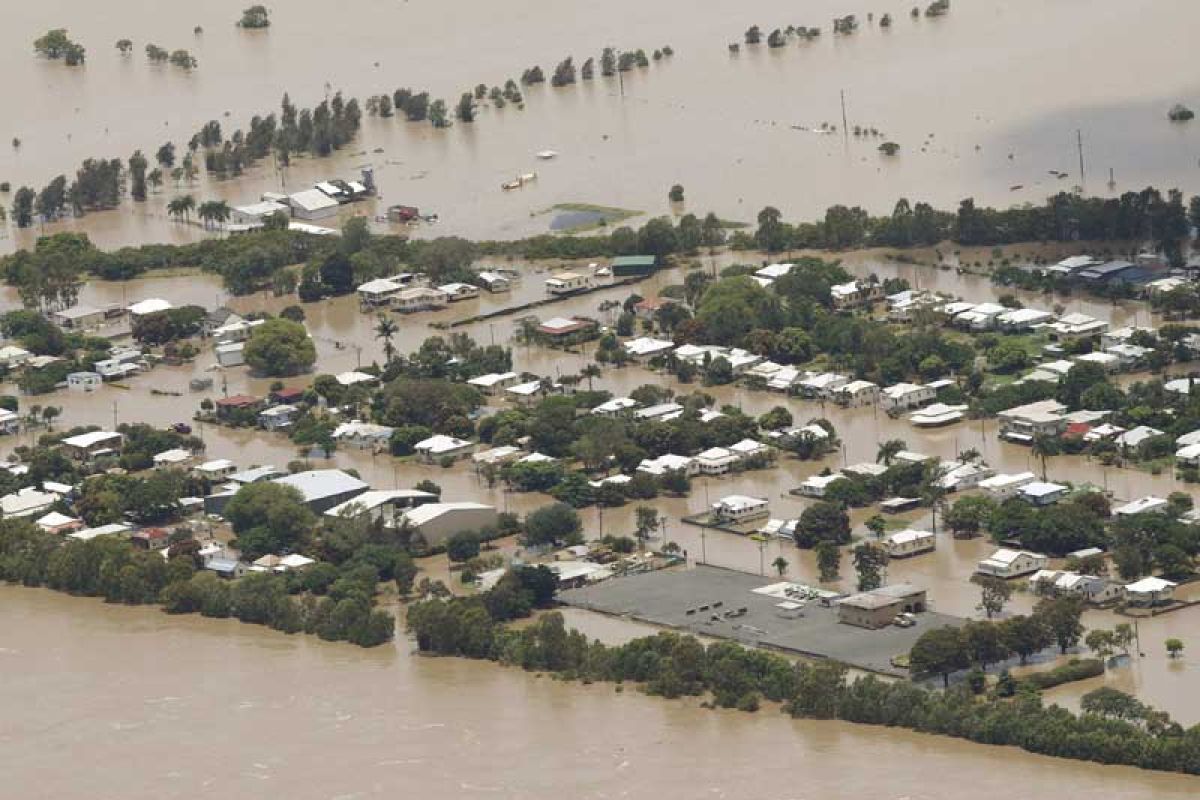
(1123,335)
(10,422)
(1108,361)
(1134,437)
(567,282)
(87,446)
(1076,326)
(909,542)
(439,446)
(495,282)
(151,305)
(27,502)
(645,347)
(1006,563)
(278,417)
(458,291)
(354,377)
(1150,591)
(981,317)
(363,435)
(1023,319)
(1129,356)
(853,293)
(1179,386)
(668,462)
(12,356)
(816,485)
(858,393)
(172,458)
(1042,493)
(530,391)
(824,384)
(737,508)
(216,469)
(662,411)
(784,379)
(497,455)
(936,415)
(959,475)
(418,298)
(616,407)
(1143,505)
(1004,486)
(773,271)
(716,461)
(494,382)
(903,396)
(1024,423)
(1064,582)
(1188,455)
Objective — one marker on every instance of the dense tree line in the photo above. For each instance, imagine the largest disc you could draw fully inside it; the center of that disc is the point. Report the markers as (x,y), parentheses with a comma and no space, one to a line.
(1111,730)
(332,599)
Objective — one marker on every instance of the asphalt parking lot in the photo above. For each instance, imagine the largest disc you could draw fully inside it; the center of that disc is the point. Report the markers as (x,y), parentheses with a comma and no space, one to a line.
(665,597)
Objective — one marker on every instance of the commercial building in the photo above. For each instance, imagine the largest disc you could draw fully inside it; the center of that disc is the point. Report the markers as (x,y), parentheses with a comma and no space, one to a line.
(437,522)
(880,607)
(324,488)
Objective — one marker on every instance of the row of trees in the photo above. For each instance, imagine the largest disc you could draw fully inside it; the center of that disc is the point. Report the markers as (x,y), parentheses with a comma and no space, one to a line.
(111,568)
(981,643)
(670,665)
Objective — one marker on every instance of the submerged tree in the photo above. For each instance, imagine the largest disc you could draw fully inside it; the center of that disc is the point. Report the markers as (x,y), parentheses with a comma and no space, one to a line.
(256,16)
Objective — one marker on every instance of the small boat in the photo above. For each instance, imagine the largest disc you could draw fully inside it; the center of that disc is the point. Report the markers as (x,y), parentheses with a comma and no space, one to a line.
(546,155)
(519,181)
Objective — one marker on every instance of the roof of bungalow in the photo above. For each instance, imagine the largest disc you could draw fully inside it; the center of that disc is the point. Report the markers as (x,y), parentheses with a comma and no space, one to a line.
(772,271)
(559,326)
(492,378)
(440,443)
(362,430)
(615,405)
(1135,436)
(646,346)
(1150,585)
(176,455)
(1142,505)
(1039,489)
(354,376)
(661,411)
(85,440)
(150,305)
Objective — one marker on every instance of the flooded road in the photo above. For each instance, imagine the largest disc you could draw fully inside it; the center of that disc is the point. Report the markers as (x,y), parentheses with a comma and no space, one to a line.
(985,103)
(216,709)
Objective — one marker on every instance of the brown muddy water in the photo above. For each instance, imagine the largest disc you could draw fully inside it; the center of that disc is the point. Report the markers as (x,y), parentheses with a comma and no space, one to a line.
(982,101)
(149,706)
(217,709)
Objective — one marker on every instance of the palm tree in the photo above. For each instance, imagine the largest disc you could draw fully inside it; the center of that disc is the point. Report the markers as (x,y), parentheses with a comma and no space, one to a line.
(969,455)
(206,213)
(181,206)
(1043,447)
(780,564)
(888,450)
(385,329)
(591,371)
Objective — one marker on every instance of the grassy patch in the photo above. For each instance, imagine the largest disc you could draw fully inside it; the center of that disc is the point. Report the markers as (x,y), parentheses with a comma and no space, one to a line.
(603,216)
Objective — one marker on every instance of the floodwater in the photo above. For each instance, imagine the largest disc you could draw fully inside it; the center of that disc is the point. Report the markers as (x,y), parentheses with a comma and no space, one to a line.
(945,572)
(982,101)
(216,709)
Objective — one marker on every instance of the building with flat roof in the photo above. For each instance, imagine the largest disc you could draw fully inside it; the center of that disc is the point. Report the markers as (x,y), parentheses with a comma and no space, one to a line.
(324,488)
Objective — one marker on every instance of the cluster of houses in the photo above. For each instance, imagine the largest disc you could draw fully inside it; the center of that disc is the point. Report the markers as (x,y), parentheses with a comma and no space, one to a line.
(1007,563)
(321,201)
(408,292)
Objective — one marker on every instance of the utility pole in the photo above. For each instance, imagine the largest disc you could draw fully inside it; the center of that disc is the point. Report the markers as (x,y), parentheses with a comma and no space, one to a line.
(1079,143)
(114,415)
(845,124)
